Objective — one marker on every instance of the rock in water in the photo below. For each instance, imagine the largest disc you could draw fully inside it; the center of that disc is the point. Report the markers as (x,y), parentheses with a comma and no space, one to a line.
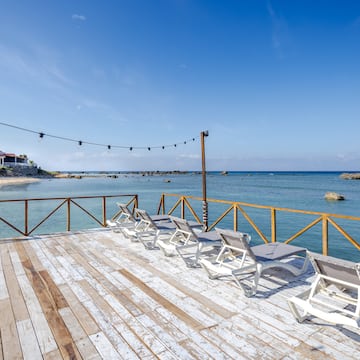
(330,195)
(350,176)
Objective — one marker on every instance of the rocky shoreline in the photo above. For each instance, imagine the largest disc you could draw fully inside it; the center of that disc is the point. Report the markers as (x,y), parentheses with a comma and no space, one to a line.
(8,177)
(18,177)
(79,175)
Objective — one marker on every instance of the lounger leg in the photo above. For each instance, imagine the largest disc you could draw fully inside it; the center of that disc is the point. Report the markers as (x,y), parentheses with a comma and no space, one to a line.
(189,257)
(299,317)
(166,248)
(249,290)
(303,301)
(149,243)
(213,271)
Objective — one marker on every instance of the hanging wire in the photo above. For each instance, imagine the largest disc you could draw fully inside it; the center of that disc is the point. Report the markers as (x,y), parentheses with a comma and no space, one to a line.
(81,142)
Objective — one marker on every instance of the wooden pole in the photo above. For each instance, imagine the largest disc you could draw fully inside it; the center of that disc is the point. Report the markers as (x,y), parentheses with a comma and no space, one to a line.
(203,134)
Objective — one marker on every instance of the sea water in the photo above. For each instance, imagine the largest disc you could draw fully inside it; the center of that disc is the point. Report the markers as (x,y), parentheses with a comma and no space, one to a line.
(294,190)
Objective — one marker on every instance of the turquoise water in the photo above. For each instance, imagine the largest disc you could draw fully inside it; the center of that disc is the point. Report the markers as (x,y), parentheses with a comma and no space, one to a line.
(296,190)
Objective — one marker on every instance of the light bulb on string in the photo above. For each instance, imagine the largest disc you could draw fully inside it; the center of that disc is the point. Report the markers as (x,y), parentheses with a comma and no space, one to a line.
(81,142)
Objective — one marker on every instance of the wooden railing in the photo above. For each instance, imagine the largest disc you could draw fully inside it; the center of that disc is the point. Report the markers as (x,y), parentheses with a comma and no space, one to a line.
(60,203)
(182,203)
(179,203)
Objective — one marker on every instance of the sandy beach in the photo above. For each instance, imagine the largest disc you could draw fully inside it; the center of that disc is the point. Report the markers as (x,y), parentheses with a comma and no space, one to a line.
(4,181)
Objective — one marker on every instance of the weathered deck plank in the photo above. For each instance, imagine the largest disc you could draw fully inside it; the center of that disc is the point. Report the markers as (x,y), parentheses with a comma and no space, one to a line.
(29,344)
(16,298)
(96,295)
(9,335)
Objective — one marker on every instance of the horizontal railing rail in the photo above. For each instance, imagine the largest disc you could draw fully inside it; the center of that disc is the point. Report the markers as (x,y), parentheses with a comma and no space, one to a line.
(182,203)
(68,203)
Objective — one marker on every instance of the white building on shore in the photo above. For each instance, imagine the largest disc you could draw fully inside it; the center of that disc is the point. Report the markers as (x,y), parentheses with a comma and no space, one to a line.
(12,160)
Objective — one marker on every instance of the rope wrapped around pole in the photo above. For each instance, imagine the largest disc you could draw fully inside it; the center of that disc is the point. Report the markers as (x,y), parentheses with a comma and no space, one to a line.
(203,134)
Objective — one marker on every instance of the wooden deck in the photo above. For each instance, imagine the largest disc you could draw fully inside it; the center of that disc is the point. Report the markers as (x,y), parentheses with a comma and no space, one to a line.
(96,295)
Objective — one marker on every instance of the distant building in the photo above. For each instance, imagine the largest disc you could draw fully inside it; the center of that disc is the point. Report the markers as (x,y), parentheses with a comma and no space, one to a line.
(8,159)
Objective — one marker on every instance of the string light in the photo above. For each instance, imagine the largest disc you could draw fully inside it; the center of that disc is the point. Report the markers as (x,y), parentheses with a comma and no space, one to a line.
(81,142)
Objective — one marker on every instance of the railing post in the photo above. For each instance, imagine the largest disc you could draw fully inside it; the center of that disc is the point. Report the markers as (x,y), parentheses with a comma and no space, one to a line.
(68,226)
(182,208)
(161,205)
(235,218)
(26,217)
(104,210)
(273,225)
(136,202)
(325,235)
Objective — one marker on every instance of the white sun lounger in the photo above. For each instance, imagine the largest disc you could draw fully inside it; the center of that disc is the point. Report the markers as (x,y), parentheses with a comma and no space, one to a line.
(123,218)
(148,231)
(245,264)
(189,242)
(334,296)
(126,219)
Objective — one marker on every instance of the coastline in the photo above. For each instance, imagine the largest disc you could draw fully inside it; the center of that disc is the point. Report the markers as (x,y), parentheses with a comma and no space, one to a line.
(5,181)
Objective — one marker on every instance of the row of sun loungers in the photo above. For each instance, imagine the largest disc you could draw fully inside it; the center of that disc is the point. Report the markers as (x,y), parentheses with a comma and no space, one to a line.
(334,295)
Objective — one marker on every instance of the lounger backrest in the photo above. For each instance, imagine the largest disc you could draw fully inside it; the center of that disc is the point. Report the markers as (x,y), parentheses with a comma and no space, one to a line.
(237,242)
(145,217)
(125,210)
(333,268)
(183,226)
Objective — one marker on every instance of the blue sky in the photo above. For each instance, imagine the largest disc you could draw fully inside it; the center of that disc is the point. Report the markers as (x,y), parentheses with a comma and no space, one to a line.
(276,83)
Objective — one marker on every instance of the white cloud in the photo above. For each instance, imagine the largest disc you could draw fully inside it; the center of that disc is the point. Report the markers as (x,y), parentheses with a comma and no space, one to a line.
(280,31)
(14,61)
(78,17)
(36,63)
